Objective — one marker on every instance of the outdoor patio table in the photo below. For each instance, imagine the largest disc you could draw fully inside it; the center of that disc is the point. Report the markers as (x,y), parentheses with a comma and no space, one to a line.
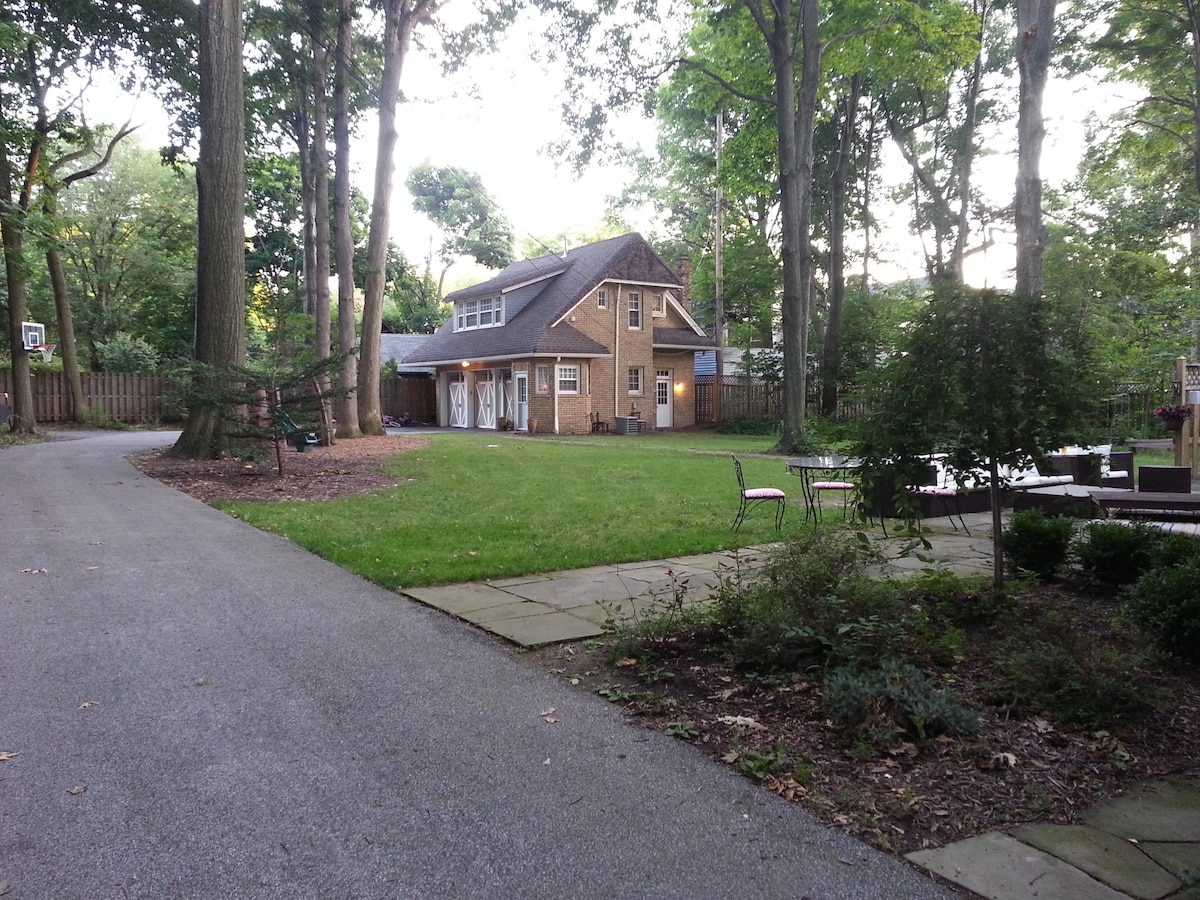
(813,469)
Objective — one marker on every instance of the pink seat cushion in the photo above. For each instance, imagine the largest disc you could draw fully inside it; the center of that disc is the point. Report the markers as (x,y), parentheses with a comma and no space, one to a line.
(764,494)
(833,486)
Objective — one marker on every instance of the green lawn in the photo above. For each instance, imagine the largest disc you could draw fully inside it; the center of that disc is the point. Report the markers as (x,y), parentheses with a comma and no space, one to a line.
(489,506)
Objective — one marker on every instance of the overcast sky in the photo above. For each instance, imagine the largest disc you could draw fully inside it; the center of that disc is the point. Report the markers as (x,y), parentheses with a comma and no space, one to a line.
(496,118)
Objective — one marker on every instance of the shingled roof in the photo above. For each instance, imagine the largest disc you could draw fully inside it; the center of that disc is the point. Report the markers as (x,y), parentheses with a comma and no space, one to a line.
(566,280)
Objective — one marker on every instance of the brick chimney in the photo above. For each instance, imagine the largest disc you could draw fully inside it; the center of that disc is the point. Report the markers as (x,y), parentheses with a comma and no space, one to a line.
(683,268)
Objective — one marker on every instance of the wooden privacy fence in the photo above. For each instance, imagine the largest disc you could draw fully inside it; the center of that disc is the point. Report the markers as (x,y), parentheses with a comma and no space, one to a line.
(743,398)
(137,399)
(120,396)
(416,396)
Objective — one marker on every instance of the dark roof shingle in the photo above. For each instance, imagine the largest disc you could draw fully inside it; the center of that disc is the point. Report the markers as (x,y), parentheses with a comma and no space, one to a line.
(568,280)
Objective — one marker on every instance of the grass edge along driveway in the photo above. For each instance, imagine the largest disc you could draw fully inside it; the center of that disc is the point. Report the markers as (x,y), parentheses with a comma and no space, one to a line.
(473,507)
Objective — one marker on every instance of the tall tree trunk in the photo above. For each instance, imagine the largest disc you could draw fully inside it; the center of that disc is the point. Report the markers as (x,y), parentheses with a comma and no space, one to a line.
(964,159)
(76,402)
(831,356)
(12,234)
(399,21)
(221,210)
(795,116)
(320,174)
(1035,32)
(346,407)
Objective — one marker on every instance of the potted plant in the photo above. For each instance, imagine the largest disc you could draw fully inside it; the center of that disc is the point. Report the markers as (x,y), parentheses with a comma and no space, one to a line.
(1173,416)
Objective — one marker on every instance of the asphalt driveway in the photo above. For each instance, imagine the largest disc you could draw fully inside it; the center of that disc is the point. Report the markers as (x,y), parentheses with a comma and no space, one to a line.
(191,708)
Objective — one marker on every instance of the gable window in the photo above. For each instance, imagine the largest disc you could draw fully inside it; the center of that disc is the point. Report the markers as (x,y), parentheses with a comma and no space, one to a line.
(602,299)
(635,311)
(541,379)
(568,379)
(635,380)
(658,306)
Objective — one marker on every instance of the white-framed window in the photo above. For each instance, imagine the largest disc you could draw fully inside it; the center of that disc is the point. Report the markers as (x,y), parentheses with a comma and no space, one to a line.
(568,379)
(658,306)
(635,311)
(602,299)
(483,313)
(541,379)
(635,380)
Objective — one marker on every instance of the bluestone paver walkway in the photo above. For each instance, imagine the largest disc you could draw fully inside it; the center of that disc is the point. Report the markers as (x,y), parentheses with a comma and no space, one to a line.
(192,708)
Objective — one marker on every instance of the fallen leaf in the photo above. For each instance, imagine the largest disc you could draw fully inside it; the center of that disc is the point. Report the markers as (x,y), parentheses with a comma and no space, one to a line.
(77,790)
(725,694)
(731,757)
(87,704)
(1042,726)
(5,755)
(626,662)
(742,721)
(33,571)
(1000,761)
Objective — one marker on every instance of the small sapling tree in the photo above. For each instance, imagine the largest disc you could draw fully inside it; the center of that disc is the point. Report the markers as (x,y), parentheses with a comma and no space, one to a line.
(987,379)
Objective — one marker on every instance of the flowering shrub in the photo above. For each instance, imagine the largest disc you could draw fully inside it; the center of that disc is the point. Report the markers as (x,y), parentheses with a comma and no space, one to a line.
(1174,413)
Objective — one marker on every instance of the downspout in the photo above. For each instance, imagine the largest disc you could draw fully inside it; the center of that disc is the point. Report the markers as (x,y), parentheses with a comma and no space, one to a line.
(554,376)
(616,351)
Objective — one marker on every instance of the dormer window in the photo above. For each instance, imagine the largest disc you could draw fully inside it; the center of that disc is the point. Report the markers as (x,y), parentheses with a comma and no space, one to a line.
(485,313)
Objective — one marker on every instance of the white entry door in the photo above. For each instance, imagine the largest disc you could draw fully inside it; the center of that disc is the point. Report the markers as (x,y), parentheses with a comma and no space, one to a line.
(522,413)
(662,398)
(458,404)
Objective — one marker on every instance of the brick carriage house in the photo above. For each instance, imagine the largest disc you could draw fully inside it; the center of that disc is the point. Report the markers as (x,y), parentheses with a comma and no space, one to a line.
(601,331)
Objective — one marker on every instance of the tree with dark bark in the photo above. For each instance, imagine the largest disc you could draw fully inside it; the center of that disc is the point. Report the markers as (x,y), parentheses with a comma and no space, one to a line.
(345,405)
(220,247)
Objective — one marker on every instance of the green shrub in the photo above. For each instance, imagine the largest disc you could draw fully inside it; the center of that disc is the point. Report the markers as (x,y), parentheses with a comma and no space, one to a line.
(886,705)
(126,353)
(1166,602)
(1056,669)
(749,426)
(1112,555)
(813,605)
(1034,543)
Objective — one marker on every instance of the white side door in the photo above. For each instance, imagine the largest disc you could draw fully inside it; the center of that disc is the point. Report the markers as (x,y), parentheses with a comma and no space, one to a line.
(662,399)
(522,413)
